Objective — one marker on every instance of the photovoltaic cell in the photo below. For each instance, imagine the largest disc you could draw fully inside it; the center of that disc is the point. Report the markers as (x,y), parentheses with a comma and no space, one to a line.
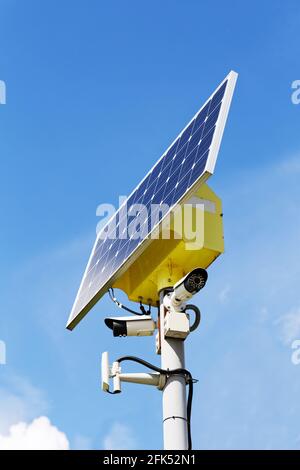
(189,160)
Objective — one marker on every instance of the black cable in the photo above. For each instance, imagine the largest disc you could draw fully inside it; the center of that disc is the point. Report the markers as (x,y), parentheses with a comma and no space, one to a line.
(189,380)
(120,305)
(197,316)
(143,310)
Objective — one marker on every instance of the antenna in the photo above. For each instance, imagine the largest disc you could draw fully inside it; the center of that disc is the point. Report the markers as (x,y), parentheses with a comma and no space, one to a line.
(161,272)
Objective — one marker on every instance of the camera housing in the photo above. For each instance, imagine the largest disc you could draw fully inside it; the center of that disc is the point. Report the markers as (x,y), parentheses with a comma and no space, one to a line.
(142,325)
(188,286)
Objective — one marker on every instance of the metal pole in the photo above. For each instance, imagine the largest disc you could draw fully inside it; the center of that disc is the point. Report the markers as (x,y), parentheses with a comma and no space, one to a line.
(174,392)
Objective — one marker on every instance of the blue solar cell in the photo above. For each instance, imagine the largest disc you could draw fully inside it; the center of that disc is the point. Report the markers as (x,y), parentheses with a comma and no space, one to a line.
(195,138)
(205,143)
(156,170)
(171,152)
(148,196)
(180,154)
(198,168)
(218,96)
(101,248)
(189,160)
(164,176)
(212,118)
(130,247)
(139,193)
(182,186)
(115,253)
(202,116)
(158,196)
(168,195)
(174,175)
(185,135)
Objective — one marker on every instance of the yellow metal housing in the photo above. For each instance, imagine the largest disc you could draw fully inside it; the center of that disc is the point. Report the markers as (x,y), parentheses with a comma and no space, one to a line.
(165,261)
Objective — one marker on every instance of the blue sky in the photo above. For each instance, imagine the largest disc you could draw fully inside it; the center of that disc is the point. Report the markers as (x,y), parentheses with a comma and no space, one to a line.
(94,96)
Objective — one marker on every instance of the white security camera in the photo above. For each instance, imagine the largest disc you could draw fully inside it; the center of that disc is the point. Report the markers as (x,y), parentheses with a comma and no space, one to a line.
(188,286)
(142,325)
(114,372)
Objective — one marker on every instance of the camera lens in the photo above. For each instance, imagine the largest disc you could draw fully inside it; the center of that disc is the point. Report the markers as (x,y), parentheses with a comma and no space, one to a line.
(119,328)
(196,280)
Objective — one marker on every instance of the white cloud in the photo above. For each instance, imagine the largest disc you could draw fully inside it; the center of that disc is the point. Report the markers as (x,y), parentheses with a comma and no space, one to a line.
(290,326)
(19,401)
(20,404)
(120,437)
(40,434)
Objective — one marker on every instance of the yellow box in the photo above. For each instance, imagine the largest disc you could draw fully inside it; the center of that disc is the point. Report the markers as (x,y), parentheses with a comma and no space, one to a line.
(165,261)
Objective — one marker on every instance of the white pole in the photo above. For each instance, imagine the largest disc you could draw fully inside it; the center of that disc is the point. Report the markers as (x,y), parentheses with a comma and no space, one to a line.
(174,392)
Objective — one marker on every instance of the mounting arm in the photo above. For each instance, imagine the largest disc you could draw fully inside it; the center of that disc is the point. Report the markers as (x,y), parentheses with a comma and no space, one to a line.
(114,372)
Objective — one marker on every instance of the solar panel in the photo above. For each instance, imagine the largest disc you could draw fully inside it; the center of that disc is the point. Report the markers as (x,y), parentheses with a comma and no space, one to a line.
(186,164)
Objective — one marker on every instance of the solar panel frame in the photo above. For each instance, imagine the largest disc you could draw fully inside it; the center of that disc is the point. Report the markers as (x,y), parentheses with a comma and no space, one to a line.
(207,172)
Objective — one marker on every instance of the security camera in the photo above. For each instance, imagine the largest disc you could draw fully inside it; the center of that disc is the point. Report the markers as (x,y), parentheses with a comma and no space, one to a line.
(188,286)
(142,325)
